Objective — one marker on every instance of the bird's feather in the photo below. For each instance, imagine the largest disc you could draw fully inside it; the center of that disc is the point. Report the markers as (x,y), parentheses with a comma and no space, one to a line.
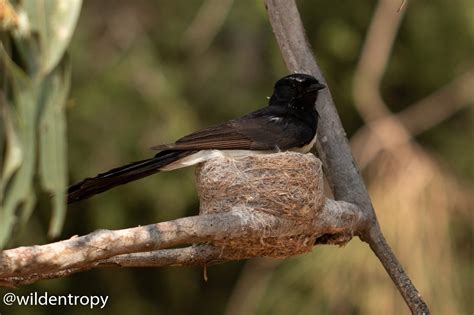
(260,130)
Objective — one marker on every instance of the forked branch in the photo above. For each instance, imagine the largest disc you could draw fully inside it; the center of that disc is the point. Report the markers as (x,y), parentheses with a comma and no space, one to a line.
(333,147)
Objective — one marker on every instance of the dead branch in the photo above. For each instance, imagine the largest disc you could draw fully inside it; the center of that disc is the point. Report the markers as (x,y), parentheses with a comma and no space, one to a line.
(334,149)
(416,118)
(369,72)
(374,59)
(440,105)
(197,255)
(143,246)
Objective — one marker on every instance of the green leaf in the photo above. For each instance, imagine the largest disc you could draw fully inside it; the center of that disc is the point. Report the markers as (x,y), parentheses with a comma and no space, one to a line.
(52,137)
(13,154)
(24,97)
(36,112)
(54,21)
(27,208)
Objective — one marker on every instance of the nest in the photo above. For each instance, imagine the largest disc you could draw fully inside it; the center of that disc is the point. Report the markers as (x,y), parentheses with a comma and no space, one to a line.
(282,189)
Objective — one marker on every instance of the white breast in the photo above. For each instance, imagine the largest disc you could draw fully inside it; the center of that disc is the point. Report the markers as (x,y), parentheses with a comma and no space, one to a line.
(308,147)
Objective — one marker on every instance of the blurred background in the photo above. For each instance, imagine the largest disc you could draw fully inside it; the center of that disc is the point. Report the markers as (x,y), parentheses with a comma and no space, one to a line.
(146,72)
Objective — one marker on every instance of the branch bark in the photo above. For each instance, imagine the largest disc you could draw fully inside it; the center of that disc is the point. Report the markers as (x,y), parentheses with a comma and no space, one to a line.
(333,147)
(199,255)
(144,246)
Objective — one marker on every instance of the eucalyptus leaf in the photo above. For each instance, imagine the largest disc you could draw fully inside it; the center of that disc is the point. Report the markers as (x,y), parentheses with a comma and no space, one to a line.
(52,138)
(25,98)
(34,112)
(54,21)
(11,151)
(27,209)
(13,154)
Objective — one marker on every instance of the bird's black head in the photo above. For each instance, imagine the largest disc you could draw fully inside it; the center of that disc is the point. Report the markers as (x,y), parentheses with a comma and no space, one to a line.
(296,91)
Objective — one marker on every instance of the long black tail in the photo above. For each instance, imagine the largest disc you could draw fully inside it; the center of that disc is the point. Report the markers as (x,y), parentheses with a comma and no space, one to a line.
(122,175)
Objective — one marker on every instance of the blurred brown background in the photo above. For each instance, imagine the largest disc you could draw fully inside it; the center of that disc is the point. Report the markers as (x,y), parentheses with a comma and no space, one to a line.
(146,72)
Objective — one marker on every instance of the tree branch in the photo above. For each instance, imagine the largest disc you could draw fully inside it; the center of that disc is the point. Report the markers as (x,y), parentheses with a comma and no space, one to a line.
(440,105)
(103,244)
(333,146)
(143,246)
(198,255)
(417,118)
(374,59)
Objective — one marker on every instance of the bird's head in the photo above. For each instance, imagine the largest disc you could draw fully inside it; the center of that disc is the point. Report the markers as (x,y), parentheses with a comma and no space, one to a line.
(296,90)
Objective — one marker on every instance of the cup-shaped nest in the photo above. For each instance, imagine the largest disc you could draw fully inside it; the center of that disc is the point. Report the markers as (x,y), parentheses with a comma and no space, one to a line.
(286,187)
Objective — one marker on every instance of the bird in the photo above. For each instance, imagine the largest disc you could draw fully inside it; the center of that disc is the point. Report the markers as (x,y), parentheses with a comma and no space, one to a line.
(288,123)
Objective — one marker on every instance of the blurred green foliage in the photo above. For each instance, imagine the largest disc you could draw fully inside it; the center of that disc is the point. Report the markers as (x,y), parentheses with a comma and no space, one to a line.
(36,84)
(137,82)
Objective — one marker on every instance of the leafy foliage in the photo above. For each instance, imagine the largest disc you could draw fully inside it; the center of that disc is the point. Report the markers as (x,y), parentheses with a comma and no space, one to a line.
(34,95)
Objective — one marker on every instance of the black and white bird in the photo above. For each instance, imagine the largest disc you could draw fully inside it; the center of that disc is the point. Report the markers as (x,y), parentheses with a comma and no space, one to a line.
(288,123)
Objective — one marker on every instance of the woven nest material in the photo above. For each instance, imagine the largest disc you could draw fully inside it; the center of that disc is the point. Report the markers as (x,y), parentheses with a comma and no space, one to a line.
(284,187)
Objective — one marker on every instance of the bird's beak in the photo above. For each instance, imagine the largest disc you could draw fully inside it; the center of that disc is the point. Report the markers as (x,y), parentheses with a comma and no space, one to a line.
(316,87)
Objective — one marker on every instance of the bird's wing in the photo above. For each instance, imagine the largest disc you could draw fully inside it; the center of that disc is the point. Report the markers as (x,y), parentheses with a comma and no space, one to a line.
(260,130)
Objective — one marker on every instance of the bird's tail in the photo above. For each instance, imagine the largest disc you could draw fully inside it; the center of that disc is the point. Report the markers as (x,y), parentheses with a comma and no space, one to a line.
(121,175)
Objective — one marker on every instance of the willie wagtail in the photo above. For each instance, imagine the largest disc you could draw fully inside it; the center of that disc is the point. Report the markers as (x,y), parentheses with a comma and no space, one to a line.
(288,123)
